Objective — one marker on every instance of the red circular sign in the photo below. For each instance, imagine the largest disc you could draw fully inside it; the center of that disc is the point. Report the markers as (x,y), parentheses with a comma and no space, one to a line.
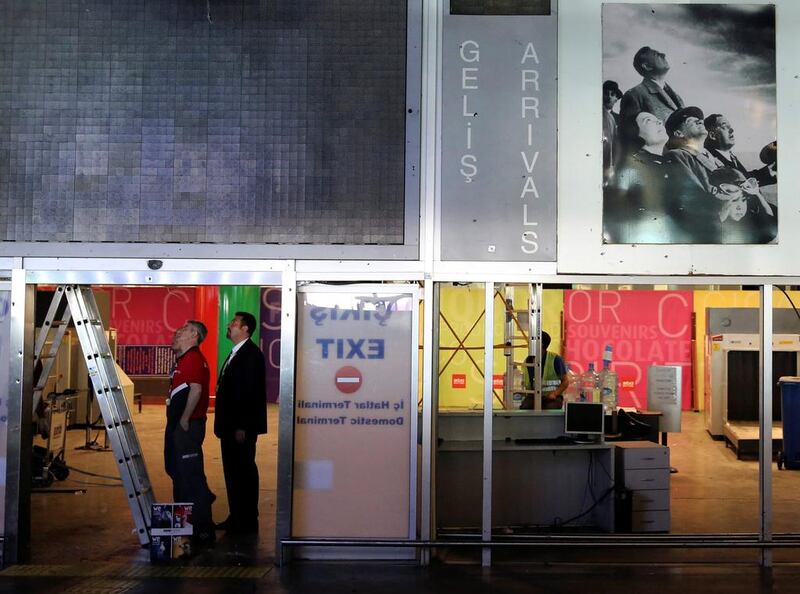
(348,379)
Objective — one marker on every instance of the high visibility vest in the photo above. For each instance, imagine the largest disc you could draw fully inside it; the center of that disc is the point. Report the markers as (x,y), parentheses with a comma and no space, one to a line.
(550,380)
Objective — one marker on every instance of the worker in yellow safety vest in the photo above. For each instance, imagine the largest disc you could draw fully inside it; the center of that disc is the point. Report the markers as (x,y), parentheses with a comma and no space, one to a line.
(554,378)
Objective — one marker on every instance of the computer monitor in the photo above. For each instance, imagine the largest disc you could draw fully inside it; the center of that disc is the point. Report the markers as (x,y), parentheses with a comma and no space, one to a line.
(584,418)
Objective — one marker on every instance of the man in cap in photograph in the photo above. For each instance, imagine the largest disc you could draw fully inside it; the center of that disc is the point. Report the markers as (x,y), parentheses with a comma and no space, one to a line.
(611,146)
(652,95)
(689,195)
(685,147)
(720,143)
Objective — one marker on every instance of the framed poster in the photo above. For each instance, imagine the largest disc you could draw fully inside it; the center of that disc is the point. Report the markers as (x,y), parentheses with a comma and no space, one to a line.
(689,124)
(719,206)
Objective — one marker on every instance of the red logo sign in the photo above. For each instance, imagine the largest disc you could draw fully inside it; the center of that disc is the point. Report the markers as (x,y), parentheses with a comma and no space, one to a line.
(497,381)
(348,379)
(459,381)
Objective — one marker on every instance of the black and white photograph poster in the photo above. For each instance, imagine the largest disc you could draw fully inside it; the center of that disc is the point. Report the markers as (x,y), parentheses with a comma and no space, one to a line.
(689,124)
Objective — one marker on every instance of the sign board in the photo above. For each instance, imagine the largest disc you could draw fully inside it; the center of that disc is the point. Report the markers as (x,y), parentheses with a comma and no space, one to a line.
(354,415)
(498,197)
(664,395)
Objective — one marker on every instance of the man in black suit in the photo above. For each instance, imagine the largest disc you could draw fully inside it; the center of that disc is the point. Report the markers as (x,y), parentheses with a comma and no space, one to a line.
(720,143)
(240,416)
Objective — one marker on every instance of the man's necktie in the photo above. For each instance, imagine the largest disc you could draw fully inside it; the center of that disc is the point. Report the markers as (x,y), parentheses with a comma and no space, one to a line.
(225,363)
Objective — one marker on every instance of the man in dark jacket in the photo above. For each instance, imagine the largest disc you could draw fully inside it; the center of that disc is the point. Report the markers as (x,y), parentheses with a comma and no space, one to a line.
(652,95)
(690,197)
(240,417)
(720,143)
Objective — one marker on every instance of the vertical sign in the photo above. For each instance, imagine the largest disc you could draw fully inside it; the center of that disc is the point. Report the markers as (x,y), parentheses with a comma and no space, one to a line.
(353,411)
(664,395)
(498,197)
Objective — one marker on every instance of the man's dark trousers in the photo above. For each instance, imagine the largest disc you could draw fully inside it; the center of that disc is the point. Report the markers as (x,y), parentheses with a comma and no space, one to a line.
(241,480)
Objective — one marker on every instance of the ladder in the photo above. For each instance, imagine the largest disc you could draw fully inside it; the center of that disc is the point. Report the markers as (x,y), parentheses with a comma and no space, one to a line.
(43,362)
(82,307)
(523,325)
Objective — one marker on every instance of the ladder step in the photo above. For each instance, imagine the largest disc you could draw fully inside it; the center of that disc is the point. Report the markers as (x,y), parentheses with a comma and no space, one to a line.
(43,357)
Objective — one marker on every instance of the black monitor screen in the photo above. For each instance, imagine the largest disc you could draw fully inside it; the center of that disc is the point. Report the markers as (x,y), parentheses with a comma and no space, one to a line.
(584,417)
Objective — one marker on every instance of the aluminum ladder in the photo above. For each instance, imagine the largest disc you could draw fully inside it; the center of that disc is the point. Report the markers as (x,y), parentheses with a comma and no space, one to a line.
(107,390)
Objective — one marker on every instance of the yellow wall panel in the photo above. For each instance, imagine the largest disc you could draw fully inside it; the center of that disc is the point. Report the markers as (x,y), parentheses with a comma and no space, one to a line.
(460,308)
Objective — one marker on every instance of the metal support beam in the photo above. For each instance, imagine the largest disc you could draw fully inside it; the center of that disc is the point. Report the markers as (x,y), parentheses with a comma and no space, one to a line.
(283,521)
(429,407)
(765,422)
(488,400)
(535,340)
(16,541)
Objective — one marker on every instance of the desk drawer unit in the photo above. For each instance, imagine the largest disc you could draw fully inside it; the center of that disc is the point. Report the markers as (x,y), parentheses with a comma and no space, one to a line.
(648,456)
(650,500)
(650,521)
(646,478)
(642,468)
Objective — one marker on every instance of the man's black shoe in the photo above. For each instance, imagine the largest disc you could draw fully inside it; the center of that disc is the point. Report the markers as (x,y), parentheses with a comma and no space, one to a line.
(245,527)
(203,540)
(227,524)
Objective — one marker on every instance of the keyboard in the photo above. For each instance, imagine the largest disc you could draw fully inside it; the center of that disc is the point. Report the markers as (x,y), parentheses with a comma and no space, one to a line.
(560,440)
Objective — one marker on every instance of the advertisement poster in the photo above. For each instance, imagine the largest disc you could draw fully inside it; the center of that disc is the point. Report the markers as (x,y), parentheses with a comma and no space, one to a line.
(689,124)
(150,315)
(354,411)
(644,328)
(270,339)
(171,532)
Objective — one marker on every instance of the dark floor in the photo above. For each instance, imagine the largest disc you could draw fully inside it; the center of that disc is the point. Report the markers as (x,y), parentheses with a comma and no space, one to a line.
(83,544)
(388,579)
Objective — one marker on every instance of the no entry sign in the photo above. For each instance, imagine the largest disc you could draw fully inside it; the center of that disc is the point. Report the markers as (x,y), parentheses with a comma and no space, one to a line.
(348,379)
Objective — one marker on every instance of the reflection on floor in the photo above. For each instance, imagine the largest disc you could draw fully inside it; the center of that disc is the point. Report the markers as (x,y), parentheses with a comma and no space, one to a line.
(97,525)
(712,492)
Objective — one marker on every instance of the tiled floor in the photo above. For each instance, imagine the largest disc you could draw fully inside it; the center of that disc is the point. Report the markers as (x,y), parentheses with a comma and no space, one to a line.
(97,525)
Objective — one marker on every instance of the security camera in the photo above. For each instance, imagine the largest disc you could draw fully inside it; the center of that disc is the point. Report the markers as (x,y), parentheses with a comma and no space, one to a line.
(154,264)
